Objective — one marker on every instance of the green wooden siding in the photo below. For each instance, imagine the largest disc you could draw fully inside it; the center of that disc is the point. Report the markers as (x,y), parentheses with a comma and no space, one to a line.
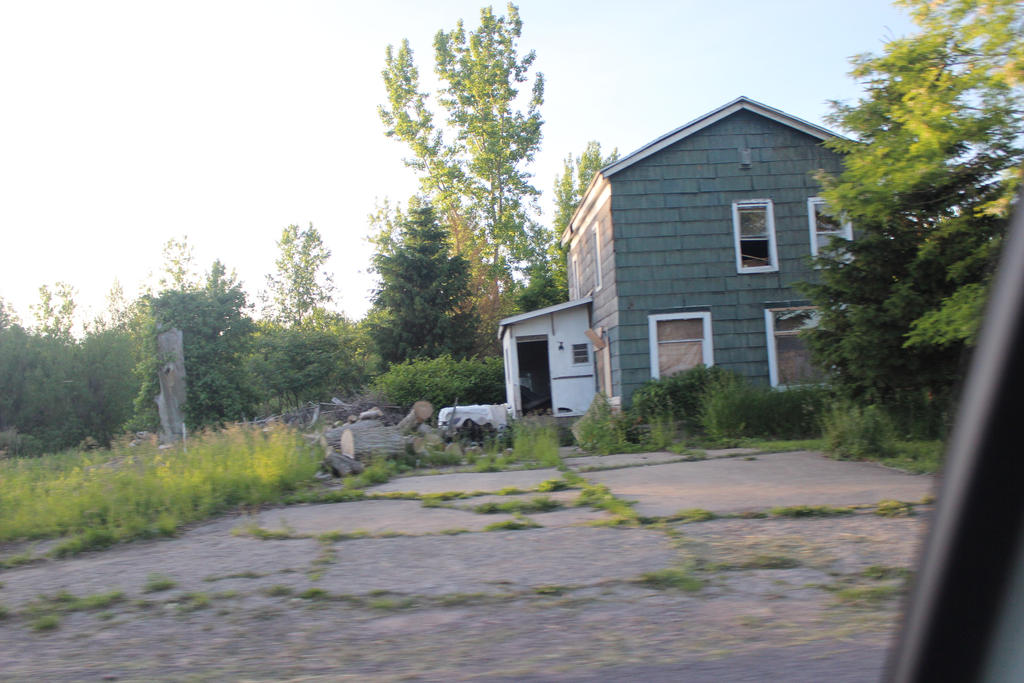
(674,246)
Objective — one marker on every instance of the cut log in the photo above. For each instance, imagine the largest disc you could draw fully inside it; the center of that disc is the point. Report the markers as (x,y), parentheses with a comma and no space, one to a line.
(366,438)
(341,465)
(420,413)
(372,414)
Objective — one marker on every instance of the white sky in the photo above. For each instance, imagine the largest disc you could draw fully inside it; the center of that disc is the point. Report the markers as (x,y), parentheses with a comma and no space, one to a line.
(124,124)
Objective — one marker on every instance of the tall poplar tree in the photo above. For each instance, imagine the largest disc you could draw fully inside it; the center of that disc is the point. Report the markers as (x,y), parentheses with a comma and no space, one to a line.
(474,164)
(927,185)
(300,288)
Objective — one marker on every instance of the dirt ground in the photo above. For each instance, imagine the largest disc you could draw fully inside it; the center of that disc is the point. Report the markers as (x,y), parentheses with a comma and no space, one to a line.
(390,590)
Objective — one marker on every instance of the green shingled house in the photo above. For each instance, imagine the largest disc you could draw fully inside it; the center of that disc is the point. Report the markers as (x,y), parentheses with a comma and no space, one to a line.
(685,252)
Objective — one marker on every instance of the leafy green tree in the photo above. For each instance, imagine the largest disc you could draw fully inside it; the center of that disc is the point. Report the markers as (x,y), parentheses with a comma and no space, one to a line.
(423,306)
(217,333)
(301,288)
(574,180)
(55,312)
(179,265)
(928,186)
(548,282)
(294,365)
(8,317)
(474,167)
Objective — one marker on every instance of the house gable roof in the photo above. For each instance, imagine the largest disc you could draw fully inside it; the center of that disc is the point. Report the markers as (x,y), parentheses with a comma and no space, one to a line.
(694,126)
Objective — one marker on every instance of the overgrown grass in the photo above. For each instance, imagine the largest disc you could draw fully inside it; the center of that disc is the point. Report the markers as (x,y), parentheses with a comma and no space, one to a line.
(516,524)
(536,440)
(894,508)
(158,582)
(98,498)
(809,511)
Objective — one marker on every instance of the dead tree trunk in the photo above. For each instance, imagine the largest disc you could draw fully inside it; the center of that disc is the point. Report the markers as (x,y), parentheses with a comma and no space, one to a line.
(171,400)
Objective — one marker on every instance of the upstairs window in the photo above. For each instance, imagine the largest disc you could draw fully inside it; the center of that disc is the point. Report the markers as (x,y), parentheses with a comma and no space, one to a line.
(754,229)
(597,259)
(824,226)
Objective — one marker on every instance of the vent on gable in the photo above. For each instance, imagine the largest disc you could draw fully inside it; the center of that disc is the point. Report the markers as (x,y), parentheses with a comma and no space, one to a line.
(745,158)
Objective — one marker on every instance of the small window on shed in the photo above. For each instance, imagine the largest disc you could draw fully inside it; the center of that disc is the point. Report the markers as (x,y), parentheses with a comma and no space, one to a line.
(754,230)
(580,354)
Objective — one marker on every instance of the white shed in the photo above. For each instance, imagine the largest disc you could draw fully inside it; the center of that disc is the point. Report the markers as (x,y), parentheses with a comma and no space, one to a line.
(549,361)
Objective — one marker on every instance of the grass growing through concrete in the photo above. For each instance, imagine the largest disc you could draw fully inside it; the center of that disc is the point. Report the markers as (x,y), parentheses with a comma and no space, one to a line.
(158,582)
(533,505)
(809,511)
(894,508)
(516,524)
(98,498)
(671,579)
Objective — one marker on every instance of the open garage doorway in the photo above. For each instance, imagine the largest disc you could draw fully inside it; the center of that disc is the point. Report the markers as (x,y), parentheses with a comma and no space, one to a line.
(534,374)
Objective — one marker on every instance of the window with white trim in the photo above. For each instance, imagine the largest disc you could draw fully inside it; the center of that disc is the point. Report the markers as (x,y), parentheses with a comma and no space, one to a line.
(597,258)
(753,222)
(580,354)
(574,277)
(824,226)
(679,341)
(789,359)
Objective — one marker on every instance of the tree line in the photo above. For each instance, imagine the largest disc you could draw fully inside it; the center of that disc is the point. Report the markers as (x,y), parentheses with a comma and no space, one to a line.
(929,180)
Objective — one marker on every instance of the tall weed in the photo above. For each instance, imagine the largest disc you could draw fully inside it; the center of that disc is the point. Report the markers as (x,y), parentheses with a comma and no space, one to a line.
(601,431)
(536,439)
(855,432)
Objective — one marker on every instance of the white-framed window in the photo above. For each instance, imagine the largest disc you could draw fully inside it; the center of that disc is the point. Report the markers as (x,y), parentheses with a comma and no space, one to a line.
(789,360)
(753,222)
(679,341)
(597,258)
(824,226)
(580,354)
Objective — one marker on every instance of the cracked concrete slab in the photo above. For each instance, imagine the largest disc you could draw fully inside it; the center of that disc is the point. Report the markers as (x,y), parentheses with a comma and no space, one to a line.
(776,479)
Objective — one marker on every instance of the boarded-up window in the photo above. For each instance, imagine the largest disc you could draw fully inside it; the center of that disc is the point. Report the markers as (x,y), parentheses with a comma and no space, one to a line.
(754,227)
(679,342)
(788,352)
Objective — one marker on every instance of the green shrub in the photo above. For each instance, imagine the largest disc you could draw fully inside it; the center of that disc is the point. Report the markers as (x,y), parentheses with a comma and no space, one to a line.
(856,433)
(443,381)
(732,407)
(679,397)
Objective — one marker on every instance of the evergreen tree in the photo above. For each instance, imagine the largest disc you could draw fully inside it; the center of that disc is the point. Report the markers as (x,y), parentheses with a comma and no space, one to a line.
(423,306)
(928,186)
